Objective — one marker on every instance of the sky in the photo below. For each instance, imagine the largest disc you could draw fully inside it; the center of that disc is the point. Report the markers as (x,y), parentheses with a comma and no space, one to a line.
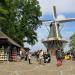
(65,9)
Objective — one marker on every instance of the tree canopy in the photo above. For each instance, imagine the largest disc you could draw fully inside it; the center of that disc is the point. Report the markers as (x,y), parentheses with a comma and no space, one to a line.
(72,42)
(19,19)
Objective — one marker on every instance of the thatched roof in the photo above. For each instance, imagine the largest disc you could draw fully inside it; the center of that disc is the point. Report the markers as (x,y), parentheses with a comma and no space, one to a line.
(4,36)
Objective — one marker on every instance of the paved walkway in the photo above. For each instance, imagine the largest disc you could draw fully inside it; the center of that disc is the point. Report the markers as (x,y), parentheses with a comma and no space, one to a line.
(23,68)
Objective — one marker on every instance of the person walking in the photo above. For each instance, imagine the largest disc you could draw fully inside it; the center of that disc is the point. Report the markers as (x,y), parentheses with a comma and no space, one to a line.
(59,57)
(26,56)
(41,57)
(48,57)
(21,54)
(37,55)
(29,58)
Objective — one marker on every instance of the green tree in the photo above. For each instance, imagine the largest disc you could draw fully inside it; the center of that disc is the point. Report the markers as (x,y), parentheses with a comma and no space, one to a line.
(19,19)
(72,42)
(9,23)
(3,12)
(30,19)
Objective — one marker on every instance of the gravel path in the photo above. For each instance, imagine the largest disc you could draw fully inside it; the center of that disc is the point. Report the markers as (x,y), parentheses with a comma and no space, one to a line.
(23,68)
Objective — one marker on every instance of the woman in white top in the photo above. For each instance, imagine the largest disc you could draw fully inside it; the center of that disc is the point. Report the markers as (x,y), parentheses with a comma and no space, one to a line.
(29,57)
(41,56)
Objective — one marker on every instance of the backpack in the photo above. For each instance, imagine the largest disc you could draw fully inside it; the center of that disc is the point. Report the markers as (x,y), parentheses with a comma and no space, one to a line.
(59,54)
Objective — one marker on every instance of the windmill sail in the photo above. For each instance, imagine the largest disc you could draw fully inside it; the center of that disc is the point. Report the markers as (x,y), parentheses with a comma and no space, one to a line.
(55,27)
(66,20)
(54,12)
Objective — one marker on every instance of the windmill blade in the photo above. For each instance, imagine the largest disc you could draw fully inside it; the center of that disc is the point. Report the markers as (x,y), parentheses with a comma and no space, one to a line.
(66,20)
(46,20)
(54,12)
(55,23)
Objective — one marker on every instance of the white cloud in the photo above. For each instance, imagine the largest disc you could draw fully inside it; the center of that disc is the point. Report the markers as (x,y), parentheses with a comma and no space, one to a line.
(43,31)
(60,17)
(27,45)
(38,46)
(63,6)
(67,34)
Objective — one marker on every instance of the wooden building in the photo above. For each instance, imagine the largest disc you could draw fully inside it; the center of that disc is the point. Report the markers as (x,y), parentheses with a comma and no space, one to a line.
(9,49)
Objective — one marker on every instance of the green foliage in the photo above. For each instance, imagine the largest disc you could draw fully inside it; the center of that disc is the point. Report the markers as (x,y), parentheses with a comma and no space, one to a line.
(72,42)
(30,19)
(19,19)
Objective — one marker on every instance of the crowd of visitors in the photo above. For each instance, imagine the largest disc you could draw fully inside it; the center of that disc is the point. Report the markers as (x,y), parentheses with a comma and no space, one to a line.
(45,57)
(40,56)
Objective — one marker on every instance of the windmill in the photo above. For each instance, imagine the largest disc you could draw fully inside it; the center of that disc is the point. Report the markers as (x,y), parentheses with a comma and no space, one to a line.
(55,40)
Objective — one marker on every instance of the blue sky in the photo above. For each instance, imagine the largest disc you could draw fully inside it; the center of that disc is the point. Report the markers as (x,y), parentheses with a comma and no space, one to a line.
(65,9)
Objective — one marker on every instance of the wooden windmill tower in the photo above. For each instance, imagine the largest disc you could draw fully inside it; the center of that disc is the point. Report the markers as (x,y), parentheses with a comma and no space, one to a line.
(55,40)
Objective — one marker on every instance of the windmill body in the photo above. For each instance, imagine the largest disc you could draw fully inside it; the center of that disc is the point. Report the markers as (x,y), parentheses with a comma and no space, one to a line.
(55,40)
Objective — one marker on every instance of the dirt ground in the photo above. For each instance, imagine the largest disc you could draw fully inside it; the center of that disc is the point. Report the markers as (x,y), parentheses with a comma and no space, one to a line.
(23,68)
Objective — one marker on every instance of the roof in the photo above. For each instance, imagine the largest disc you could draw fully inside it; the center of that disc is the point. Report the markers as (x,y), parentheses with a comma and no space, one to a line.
(4,36)
(55,39)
